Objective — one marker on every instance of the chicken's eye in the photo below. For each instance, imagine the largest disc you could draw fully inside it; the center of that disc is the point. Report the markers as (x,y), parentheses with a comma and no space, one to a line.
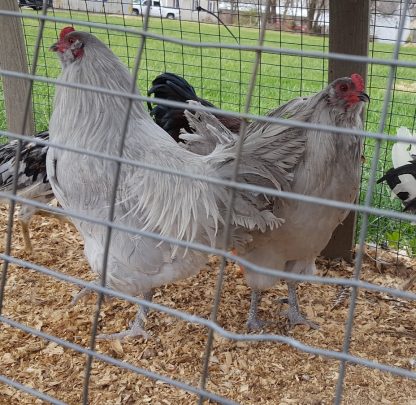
(343,87)
(71,40)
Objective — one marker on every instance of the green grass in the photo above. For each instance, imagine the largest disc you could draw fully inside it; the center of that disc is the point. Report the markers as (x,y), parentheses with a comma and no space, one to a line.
(222,77)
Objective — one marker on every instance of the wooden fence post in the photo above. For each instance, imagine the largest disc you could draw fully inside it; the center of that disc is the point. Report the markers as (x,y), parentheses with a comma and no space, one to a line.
(13,57)
(349,22)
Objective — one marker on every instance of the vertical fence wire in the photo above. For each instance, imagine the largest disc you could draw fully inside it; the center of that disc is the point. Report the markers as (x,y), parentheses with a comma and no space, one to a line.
(12,205)
(367,203)
(228,215)
(113,196)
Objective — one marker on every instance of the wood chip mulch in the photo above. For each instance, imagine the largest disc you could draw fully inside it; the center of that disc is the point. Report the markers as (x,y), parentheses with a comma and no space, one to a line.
(247,372)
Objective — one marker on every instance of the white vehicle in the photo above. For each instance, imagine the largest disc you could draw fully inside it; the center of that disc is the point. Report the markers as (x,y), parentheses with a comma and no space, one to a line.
(156,9)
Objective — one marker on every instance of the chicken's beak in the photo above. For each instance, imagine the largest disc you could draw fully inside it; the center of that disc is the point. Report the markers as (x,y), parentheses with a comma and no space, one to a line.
(364,97)
(54,47)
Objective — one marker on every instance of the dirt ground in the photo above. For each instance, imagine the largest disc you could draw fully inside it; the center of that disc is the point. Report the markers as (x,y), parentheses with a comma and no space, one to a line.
(249,373)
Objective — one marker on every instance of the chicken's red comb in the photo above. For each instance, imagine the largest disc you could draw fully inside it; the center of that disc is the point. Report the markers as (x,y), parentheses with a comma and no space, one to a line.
(65,31)
(358,81)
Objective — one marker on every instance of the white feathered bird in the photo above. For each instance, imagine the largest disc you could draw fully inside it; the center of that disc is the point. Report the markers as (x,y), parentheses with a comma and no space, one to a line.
(172,205)
(401,178)
(328,168)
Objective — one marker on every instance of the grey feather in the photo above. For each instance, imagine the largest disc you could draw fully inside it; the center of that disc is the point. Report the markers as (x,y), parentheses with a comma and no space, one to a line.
(208,132)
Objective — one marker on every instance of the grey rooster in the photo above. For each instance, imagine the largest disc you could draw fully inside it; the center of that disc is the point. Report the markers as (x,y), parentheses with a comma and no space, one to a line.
(171,205)
(32,181)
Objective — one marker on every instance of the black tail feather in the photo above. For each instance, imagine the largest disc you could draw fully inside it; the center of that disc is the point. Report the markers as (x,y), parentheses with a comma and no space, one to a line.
(391,176)
(169,86)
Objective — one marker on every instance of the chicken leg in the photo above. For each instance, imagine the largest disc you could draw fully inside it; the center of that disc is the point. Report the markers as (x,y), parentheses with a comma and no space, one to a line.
(83,292)
(293,314)
(26,236)
(254,322)
(24,217)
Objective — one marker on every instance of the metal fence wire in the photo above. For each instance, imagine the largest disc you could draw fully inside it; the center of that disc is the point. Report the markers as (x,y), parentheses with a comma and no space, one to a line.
(263,63)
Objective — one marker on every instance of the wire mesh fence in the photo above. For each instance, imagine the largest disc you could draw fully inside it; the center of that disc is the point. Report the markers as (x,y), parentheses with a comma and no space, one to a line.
(222,79)
(292,61)
(400,113)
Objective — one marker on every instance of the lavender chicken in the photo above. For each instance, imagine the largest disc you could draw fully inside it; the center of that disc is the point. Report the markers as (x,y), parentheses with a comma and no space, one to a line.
(329,167)
(171,205)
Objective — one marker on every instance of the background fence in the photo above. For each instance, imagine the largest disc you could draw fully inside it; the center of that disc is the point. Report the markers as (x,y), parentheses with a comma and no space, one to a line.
(222,77)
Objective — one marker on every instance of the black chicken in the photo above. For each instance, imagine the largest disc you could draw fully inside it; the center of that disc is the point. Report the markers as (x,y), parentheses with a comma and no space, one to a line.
(170,86)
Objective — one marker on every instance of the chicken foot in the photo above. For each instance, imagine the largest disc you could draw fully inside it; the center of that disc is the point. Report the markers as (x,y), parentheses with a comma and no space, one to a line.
(137,326)
(85,291)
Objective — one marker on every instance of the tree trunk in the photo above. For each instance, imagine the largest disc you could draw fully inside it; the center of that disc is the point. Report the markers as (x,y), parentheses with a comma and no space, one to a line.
(311,14)
(234,10)
(351,39)
(272,12)
(317,16)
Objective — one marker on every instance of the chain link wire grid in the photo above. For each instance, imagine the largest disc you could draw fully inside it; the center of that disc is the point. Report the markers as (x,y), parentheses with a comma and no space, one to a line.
(212,326)
(383,233)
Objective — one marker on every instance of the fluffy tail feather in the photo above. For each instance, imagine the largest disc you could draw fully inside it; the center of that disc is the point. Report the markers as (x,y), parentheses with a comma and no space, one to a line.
(269,156)
(207,132)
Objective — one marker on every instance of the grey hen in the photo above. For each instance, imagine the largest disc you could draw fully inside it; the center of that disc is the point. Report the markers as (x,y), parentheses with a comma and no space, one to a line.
(329,168)
(32,181)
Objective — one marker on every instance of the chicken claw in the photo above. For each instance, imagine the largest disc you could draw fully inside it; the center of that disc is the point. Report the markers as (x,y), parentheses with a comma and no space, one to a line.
(135,331)
(85,291)
(136,328)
